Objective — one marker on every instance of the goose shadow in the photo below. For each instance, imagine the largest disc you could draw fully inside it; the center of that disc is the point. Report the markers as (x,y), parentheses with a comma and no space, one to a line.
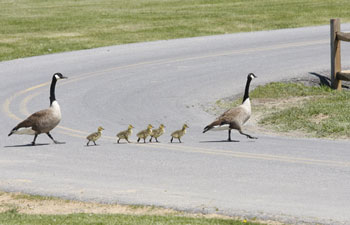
(26,145)
(219,141)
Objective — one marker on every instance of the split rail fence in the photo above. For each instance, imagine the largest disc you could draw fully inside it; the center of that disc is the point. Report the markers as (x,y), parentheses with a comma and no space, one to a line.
(337,75)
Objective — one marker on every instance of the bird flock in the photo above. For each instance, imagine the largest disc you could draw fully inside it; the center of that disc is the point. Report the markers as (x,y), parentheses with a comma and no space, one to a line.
(43,121)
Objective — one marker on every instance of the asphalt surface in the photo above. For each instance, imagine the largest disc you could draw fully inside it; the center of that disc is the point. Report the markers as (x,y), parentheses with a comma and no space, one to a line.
(174,82)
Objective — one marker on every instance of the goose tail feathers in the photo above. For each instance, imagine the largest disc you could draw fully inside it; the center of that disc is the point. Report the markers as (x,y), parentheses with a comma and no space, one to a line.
(212,125)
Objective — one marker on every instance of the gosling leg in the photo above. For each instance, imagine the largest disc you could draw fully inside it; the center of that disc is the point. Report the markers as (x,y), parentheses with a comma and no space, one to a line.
(179,140)
(171,140)
(94,142)
(88,143)
(150,140)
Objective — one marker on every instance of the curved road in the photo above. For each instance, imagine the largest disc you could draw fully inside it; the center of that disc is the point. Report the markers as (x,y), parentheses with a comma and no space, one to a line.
(287,179)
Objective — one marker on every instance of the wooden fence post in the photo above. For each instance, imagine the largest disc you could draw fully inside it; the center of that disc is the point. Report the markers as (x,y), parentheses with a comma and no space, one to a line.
(335,54)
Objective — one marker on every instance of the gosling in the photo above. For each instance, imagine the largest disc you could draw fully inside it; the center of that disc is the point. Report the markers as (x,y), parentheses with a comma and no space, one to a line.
(144,133)
(125,134)
(95,136)
(156,133)
(179,133)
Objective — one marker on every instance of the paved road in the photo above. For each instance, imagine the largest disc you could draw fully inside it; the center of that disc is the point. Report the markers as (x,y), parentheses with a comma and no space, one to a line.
(172,82)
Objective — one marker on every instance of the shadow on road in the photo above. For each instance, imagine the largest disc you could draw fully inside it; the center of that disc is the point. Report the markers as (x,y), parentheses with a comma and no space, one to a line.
(27,145)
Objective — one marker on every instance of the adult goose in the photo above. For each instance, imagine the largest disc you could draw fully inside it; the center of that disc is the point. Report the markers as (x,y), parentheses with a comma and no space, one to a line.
(45,120)
(236,117)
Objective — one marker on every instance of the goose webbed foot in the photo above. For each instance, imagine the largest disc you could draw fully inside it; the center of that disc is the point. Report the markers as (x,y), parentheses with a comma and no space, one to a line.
(54,141)
(247,135)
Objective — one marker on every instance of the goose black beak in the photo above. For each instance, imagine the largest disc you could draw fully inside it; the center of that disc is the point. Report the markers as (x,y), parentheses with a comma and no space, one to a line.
(64,77)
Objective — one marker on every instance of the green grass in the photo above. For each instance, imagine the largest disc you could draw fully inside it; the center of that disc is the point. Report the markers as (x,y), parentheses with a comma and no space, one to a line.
(36,27)
(12,217)
(319,112)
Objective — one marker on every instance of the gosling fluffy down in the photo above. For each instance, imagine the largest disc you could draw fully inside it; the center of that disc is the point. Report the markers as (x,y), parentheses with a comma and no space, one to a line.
(144,133)
(95,136)
(156,133)
(179,133)
(125,134)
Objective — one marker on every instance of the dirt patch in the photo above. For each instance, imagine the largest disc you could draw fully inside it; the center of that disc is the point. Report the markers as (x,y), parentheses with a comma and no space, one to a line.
(261,107)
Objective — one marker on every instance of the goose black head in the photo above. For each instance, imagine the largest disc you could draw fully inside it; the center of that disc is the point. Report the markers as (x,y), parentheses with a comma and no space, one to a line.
(59,76)
(251,76)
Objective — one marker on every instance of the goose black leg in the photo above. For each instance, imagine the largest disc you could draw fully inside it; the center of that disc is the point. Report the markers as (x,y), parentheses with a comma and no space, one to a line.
(56,142)
(33,142)
(247,135)
(229,135)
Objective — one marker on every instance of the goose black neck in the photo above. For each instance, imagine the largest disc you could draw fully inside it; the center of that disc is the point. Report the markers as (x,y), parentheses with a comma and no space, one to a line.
(52,90)
(246,92)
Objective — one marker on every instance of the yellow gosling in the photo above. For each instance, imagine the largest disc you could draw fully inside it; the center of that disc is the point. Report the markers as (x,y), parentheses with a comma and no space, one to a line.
(144,133)
(179,133)
(156,133)
(95,136)
(125,134)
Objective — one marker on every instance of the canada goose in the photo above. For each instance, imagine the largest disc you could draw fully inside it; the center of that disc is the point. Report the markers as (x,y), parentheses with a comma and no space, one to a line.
(125,134)
(179,133)
(236,117)
(95,136)
(144,133)
(42,121)
(156,133)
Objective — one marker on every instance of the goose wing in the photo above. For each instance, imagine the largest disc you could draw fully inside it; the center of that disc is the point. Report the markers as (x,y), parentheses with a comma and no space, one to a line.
(235,117)
(33,121)
(238,115)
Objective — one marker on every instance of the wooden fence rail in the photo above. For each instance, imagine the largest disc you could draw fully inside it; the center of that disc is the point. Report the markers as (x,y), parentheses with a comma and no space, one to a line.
(337,75)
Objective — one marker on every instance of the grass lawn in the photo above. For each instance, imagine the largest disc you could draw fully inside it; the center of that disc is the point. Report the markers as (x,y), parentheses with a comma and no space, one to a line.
(36,27)
(10,218)
(314,111)
(16,208)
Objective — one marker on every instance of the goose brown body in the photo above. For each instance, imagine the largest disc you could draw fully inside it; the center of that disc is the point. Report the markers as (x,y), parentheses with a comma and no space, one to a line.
(236,117)
(45,120)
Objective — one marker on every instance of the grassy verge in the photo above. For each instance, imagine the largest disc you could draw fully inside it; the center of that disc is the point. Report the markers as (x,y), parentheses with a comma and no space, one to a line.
(29,27)
(16,208)
(314,111)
